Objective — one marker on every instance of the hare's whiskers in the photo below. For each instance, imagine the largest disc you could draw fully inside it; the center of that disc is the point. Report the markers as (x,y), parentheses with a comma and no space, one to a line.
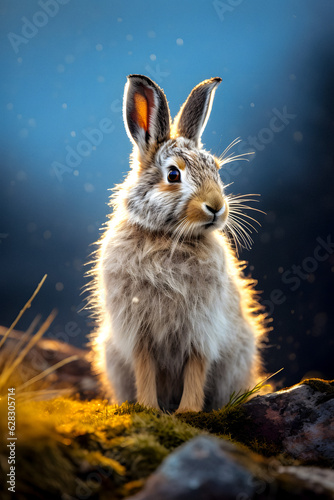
(241,221)
(243,235)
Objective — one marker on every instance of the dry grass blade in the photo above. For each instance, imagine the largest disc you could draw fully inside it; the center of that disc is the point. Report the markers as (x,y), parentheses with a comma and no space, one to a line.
(33,325)
(7,373)
(46,372)
(23,339)
(43,394)
(26,306)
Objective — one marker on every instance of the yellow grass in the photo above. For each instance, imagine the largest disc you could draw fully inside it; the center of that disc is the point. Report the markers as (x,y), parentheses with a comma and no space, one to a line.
(25,344)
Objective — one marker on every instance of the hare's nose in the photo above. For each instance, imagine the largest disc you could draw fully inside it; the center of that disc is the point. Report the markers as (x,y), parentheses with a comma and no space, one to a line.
(214,210)
(211,209)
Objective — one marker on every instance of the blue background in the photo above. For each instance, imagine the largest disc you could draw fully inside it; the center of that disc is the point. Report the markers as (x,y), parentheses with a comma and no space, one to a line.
(68,73)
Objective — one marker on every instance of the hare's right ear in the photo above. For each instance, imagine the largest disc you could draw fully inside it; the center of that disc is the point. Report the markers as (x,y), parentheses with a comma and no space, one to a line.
(194,114)
(145,112)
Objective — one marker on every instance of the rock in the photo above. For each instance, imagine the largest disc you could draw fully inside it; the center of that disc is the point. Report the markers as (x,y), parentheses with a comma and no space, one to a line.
(207,468)
(299,421)
(75,377)
(315,479)
(199,469)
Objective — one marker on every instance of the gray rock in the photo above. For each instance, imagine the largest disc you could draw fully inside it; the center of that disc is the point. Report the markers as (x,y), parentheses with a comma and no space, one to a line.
(298,420)
(207,468)
(200,469)
(320,481)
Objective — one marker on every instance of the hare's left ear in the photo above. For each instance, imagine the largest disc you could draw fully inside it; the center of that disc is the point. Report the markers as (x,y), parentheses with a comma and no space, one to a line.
(194,114)
(146,113)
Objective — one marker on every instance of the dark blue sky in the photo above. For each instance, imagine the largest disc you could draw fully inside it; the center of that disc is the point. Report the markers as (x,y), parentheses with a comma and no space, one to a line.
(64,66)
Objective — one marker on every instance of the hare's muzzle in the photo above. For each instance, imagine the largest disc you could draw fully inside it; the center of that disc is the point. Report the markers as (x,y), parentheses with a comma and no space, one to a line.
(208,207)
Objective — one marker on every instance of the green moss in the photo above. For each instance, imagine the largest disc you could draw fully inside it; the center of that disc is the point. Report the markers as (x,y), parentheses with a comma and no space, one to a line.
(227,421)
(324,386)
(267,449)
(76,447)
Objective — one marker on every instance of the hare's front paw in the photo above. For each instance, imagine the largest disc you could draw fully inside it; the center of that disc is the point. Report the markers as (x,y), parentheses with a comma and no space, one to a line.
(150,403)
(183,409)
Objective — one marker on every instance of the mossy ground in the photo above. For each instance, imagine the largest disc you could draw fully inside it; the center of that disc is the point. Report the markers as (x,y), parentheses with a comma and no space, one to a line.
(90,449)
(232,423)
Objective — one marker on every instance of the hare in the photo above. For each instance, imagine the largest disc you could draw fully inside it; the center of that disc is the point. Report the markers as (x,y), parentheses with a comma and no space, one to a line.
(178,325)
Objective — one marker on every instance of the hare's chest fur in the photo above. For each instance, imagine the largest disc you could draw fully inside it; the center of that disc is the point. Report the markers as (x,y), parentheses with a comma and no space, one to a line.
(175,303)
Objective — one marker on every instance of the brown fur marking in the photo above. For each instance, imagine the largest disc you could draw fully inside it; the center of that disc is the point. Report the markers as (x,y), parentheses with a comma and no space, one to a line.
(217,162)
(195,212)
(145,373)
(170,188)
(193,388)
(180,163)
(209,194)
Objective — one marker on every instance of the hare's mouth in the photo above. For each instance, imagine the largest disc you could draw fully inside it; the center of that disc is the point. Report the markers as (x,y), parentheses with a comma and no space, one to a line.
(218,220)
(216,223)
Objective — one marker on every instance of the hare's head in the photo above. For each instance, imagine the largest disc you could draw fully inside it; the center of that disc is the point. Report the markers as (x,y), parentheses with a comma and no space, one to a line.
(175,185)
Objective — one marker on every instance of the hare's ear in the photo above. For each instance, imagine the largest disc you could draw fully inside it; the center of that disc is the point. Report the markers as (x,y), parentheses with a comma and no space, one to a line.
(194,114)
(146,113)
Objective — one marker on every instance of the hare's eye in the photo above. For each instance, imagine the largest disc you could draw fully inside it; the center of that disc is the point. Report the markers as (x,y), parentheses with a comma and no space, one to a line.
(174,175)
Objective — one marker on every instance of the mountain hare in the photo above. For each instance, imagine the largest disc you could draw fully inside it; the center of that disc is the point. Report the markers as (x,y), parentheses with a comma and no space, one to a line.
(178,325)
